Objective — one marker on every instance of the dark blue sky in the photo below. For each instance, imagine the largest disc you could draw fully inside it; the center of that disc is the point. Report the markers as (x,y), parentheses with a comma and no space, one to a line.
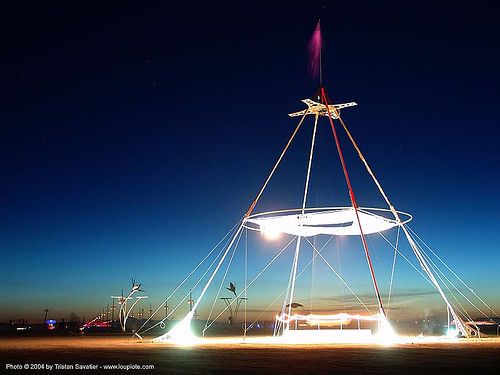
(135,135)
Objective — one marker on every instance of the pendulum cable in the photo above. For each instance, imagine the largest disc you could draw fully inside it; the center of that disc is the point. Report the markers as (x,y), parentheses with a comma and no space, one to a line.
(396,215)
(353,201)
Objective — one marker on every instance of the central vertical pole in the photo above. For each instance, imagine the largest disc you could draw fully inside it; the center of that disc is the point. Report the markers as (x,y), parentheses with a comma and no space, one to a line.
(353,201)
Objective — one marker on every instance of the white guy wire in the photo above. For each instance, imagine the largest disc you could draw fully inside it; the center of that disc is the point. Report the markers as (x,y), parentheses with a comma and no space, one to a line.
(453,272)
(405,258)
(224,278)
(195,285)
(436,268)
(251,282)
(392,272)
(438,272)
(189,275)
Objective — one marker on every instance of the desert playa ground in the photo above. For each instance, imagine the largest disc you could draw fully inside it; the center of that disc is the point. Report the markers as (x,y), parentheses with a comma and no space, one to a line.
(462,356)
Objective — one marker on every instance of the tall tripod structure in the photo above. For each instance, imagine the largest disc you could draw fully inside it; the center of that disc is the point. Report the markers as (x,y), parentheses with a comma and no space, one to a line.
(307,221)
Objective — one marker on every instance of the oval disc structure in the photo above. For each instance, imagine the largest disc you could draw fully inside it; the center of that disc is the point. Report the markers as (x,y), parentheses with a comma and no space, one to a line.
(340,221)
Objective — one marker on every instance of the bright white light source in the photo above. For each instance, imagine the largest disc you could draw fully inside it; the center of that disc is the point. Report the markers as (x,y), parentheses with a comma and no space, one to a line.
(270,233)
(385,335)
(181,334)
(452,333)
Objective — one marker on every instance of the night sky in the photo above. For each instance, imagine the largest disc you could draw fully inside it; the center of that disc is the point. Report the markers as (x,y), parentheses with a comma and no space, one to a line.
(135,135)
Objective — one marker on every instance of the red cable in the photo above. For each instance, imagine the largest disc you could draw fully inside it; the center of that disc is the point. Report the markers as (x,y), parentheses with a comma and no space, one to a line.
(353,200)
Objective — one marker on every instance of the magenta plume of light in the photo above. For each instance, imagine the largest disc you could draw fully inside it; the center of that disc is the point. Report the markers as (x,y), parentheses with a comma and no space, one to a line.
(314,48)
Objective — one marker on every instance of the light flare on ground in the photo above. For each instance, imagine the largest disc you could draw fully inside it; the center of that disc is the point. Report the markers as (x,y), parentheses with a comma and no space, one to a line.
(373,340)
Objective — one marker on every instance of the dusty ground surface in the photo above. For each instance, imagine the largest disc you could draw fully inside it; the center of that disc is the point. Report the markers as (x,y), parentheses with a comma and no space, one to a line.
(462,357)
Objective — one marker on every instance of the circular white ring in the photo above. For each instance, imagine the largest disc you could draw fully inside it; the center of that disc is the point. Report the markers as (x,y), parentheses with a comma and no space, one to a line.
(316,209)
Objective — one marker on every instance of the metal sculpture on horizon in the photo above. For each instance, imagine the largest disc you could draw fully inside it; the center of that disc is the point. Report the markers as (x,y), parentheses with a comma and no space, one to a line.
(122,301)
(233,311)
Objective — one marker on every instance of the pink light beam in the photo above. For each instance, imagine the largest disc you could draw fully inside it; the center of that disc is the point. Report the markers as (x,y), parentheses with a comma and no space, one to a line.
(314,48)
